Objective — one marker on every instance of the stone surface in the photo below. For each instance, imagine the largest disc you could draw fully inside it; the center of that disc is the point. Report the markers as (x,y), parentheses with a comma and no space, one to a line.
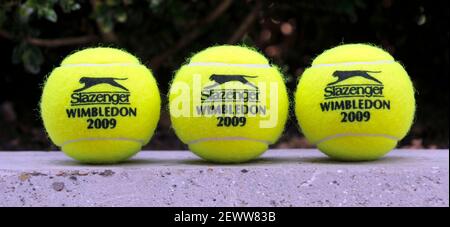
(178,178)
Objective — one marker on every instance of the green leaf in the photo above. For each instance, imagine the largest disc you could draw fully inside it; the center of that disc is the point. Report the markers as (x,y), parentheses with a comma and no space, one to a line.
(76,6)
(154,3)
(30,56)
(17,52)
(24,13)
(69,5)
(121,16)
(32,59)
(50,15)
(104,17)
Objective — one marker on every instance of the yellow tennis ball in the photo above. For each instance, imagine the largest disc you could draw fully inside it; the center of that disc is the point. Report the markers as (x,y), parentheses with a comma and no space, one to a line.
(355,102)
(101,105)
(228,104)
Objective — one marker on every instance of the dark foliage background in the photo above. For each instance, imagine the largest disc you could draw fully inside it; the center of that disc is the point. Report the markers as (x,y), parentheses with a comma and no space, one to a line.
(35,35)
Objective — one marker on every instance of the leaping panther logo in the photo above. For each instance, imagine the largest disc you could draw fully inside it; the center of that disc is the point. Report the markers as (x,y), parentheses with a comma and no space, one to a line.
(344,75)
(92,81)
(221,79)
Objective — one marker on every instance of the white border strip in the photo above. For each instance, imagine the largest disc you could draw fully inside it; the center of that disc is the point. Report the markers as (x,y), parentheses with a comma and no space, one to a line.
(221,64)
(237,138)
(354,63)
(101,65)
(102,139)
(386,136)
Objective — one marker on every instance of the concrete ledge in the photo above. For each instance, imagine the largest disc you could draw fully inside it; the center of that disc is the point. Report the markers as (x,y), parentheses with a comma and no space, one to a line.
(178,178)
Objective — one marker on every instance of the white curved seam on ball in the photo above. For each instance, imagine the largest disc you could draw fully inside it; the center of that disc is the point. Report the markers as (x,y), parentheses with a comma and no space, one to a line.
(227,139)
(101,65)
(220,64)
(97,139)
(357,134)
(354,63)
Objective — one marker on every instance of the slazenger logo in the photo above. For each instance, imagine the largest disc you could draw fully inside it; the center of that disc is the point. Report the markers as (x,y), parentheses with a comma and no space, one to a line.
(92,81)
(100,108)
(230,95)
(82,97)
(217,100)
(338,89)
(221,79)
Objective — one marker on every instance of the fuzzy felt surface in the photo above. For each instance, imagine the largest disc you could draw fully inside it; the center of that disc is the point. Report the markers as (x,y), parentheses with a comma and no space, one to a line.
(362,81)
(131,99)
(260,129)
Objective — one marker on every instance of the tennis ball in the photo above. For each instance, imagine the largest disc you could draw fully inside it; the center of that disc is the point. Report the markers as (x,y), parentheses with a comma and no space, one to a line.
(355,102)
(228,104)
(101,105)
